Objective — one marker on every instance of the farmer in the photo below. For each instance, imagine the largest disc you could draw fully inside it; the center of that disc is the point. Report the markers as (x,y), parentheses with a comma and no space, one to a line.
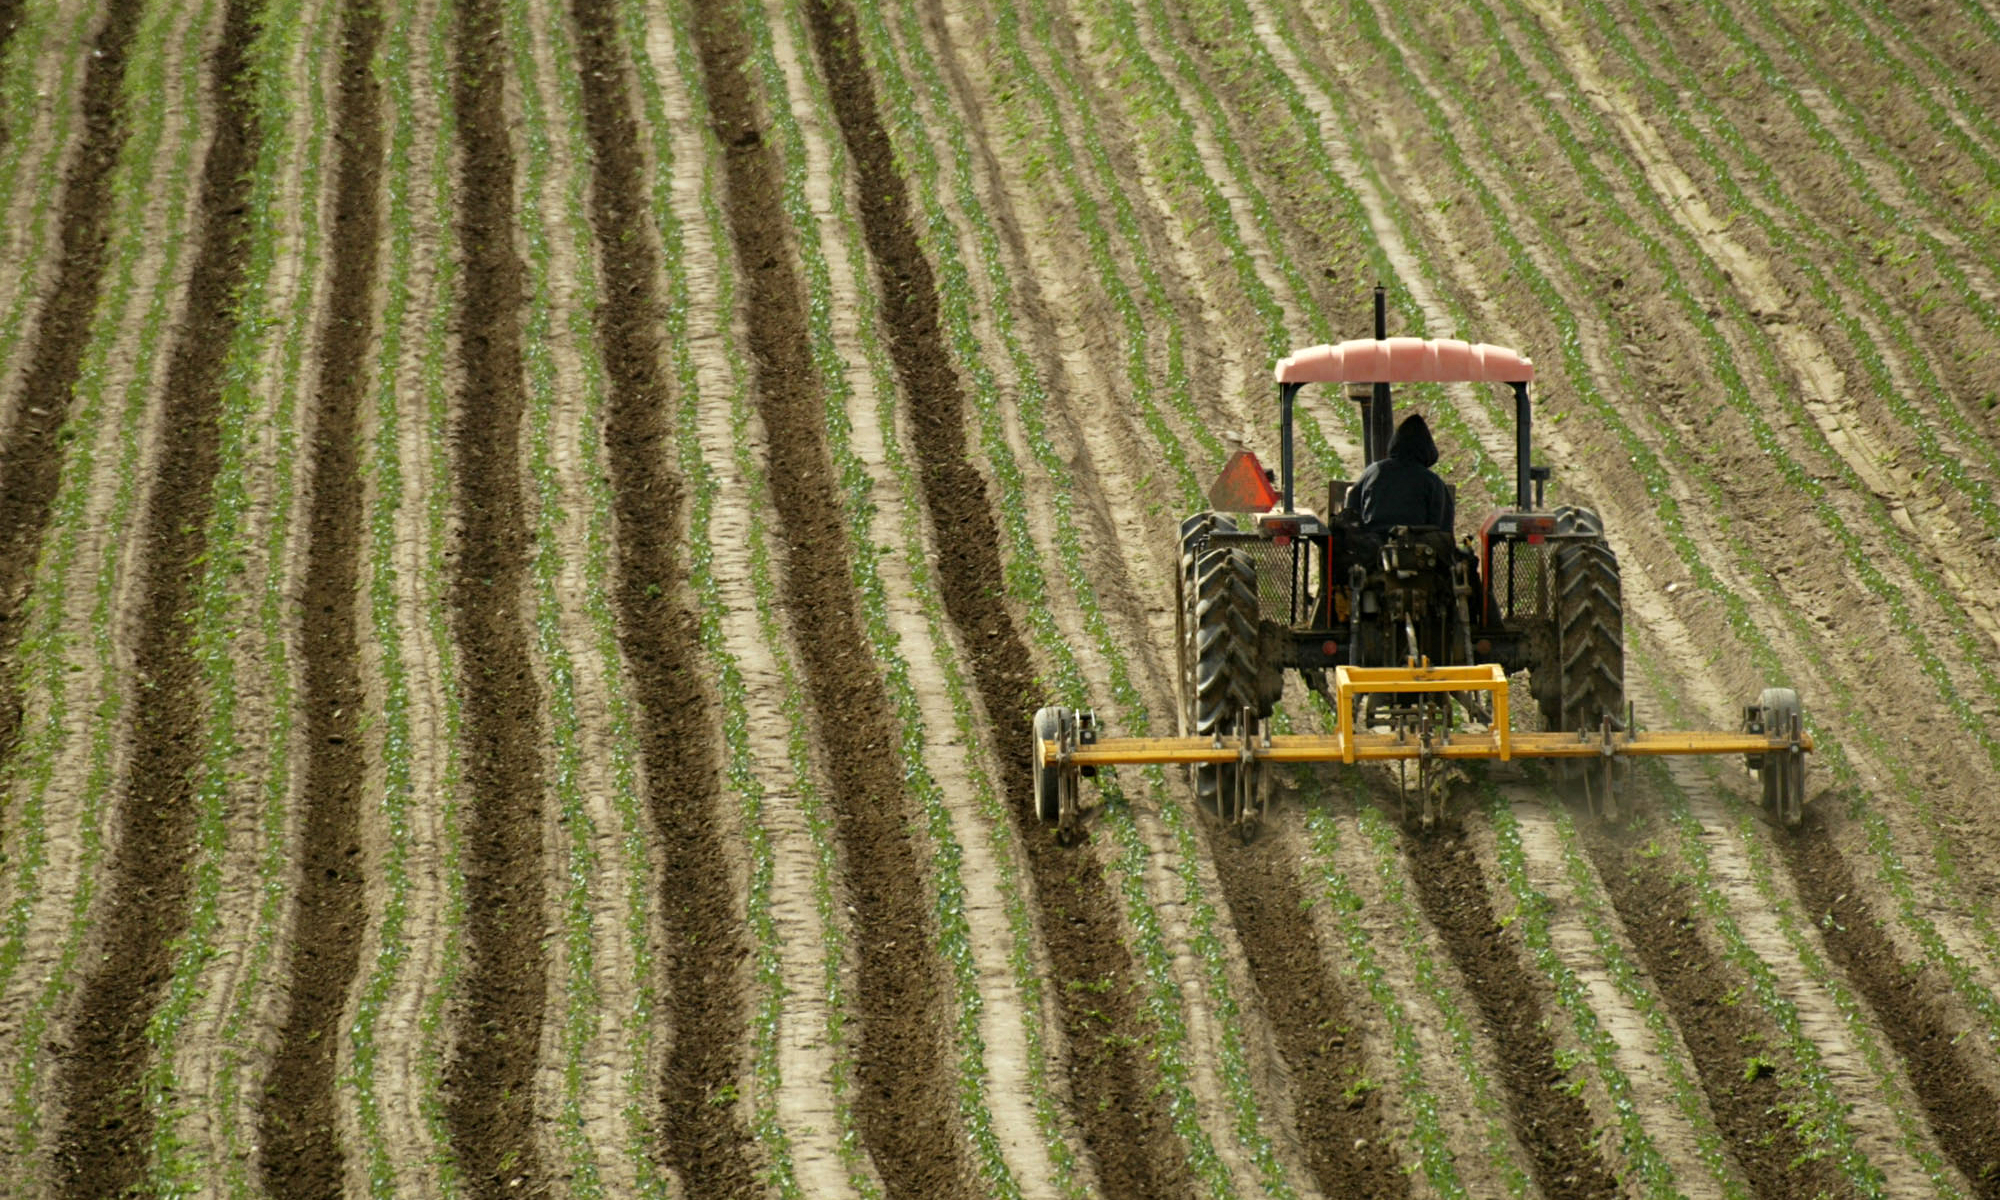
(1400,488)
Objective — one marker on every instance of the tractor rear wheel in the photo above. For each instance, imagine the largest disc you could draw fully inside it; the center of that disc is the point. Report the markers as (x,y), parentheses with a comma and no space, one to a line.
(1589,639)
(1219,653)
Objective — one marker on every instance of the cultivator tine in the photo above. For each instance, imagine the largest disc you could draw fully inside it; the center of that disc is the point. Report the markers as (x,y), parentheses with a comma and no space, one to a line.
(1250,773)
(1794,791)
(1428,767)
(1066,786)
(1605,803)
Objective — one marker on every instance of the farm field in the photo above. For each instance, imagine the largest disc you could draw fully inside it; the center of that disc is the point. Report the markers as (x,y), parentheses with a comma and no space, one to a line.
(531,536)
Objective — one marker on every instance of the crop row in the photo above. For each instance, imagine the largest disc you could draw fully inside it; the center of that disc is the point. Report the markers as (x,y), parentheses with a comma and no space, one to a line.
(1532,915)
(20,114)
(555,262)
(998,826)
(404,822)
(1195,499)
(1857,551)
(1943,855)
(741,772)
(953,931)
(285,53)
(1769,663)
(177,1163)
(1427,1135)
(1028,585)
(1822,1119)
(636,1076)
(1642,455)
(1629,978)
(45,649)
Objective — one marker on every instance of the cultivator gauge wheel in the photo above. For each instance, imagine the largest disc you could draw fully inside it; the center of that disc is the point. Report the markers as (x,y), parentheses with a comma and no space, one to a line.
(1059,781)
(1051,725)
(1782,772)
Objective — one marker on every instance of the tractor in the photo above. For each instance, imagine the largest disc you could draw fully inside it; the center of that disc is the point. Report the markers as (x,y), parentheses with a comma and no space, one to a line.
(1409,633)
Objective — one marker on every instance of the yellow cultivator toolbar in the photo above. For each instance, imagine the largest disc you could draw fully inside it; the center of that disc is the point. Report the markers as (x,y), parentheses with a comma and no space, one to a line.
(1773,741)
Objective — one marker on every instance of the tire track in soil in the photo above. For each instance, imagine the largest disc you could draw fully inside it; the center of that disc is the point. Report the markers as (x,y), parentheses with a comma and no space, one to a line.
(707,1144)
(1553,1126)
(1345,1143)
(102,1148)
(298,1125)
(489,1083)
(1963,1112)
(906,1105)
(1721,1035)
(31,456)
(1117,1100)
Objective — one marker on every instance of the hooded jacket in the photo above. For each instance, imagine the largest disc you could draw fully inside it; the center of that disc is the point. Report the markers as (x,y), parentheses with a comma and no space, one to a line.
(1400,488)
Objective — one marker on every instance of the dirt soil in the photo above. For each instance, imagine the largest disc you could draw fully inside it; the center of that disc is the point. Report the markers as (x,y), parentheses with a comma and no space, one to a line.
(302,1154)
(489,1085)
(905,1105)
(1748,247)
(102,1148)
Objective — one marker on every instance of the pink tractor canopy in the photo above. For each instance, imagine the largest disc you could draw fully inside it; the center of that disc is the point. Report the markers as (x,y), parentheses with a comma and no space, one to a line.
(1387,360)
(1406,360)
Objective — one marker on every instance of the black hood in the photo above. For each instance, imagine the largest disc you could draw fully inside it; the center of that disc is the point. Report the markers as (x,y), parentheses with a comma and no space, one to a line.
(1413,443)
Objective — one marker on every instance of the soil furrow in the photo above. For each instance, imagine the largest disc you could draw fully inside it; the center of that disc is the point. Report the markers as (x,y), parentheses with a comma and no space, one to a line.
(1552,1124)
(1118,1101)
(1723,1034)
(302,1154)
(906,1104)
(705,1142)
(31,450)
(490,1083)
(102,1149)
(10,20)
(1340,1122)
(1909,1001)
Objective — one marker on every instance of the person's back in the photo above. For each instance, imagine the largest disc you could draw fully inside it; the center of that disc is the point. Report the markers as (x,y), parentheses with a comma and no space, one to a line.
(1400,488)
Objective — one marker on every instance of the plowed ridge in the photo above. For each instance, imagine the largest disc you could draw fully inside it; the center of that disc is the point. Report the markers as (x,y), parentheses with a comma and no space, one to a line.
(531,536)
(490,1085)
(103,1148)
(905,1111)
